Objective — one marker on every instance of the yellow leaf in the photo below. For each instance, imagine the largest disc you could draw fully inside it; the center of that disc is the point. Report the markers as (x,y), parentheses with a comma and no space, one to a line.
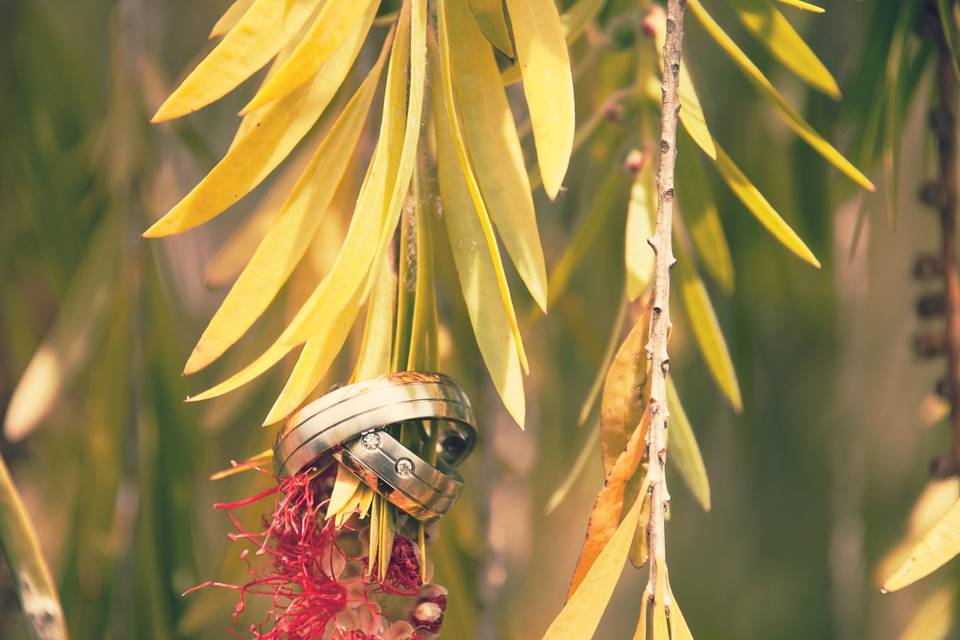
(345,487)
(493,23)
(761,209)
(372,218)
(279,128)
(608,354)
(706,329)
(640,219)
(291,232)
(262,31)
(684,450)
(423,355)
(579,16)
(767,24)
(335,21)
(375,346)
(580,616)
(475,269)
(938,546)
(547,84)
(493,146)
(678,625)
(642,622)
(257,460)
(72,338)
(793,119)
(806,6)
(473,189)
(699,211)
(230,18)
(933,619)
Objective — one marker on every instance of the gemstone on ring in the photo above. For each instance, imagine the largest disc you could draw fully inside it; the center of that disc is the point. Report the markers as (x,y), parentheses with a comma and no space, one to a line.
(370,441)
(404,467)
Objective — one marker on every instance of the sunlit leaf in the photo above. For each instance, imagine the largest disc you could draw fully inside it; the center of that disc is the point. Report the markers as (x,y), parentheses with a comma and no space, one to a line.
(938,546)
(345,487)
(684,451)
(376,344)
(34,583)
(493,23)
(641,211)
(335,22)
(761,209)
(578,17)
(706,329)
(547,84)
(806,6)
(487,236)
(580,616)
(934,618)
(262,31)
(279,128)
(72,338)
(767,24)
(291,232)
(424,354)
(678,625)
(230,18)
(475,270)
(700,214)
(257,460)
(611,350)
(793,119)
(493,147)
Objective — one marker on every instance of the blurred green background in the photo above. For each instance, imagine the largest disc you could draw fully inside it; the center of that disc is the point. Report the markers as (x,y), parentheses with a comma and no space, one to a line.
(811,484)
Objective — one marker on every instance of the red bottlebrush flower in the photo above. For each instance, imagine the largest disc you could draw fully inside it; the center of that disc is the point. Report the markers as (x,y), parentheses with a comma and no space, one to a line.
(316,576)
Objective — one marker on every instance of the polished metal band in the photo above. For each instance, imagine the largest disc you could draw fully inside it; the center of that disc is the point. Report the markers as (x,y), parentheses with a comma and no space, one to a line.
(334,424)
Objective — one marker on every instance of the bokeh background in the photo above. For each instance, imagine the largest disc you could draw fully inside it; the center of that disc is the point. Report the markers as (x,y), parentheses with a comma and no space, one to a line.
(811,484)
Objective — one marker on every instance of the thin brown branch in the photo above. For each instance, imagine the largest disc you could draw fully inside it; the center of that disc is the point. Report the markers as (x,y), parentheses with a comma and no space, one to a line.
(660,318)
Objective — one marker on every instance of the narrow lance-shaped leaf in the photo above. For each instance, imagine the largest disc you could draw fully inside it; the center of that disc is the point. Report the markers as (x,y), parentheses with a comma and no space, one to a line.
(640,219)
(375,346)
(581,615)
(487,237)
(934,618)
(291,232)
(31,575)
(547,84)
(334,23)
(493,23)
(475,270)
(940,544)
(280,127)
(262,31)
(230,18)
(706,328)
(493,146)
(578,17)
(805,6)
(700,214)
(790,116)
(767,24)
(684,451)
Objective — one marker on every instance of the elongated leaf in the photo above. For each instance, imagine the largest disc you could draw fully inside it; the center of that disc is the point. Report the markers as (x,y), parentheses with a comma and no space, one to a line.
(493,23)
(684,450)
(806,6)
(940,544)
(71,340)
(262,31)
(793,119)
(424,355)
(641,211)
(473,188)
(578,17)
(31,575)
(493,146)
(573,472)
(547,84)
(706,329)
(230,18)
(678,625)
(580,616)
(608,507)
(767,24)
(934,618)
(291,233)
(700,215)
(761,209)
(375,346)
(475,269)
(253,157)
(331,29)
(358,252)
(345,487)
(608,354)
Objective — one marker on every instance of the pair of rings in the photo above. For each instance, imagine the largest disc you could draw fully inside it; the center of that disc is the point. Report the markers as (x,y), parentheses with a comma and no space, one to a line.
(349,423)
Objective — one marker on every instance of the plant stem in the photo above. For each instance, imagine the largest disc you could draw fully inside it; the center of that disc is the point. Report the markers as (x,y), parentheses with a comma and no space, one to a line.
(664,259)
(943,124)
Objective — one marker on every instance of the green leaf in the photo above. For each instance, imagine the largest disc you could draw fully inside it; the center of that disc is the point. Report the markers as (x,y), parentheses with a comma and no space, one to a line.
(793,119)
(31,575)
(700,214)
(767,24)
(706,328)
(580,616)
(684,451)
(761,209)
(493,23)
